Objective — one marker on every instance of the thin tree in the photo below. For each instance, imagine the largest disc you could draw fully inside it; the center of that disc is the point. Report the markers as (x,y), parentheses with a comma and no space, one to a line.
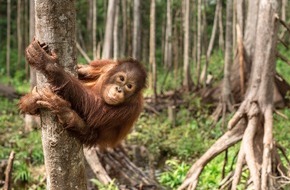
(26,39)
(124,28)
(8,40)
(221,27)
(253,122)
(199,5)
(63,154)
(240,6)
(94,29)
(227,99)
(90,20)
(31,121)
(283,10)
(116,32)
(136,29)
(19,33)
(152,47)
(211,44)
(187,81)
(168,37)
(108,41)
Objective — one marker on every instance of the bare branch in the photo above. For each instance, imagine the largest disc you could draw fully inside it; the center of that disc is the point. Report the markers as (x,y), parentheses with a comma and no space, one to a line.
(282,42)
(8,171)
(83,52)
(282,57)
(284,24)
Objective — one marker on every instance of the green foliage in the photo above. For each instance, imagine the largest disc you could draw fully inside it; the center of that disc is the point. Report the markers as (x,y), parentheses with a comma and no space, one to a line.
(21,172)
(216,64)
(158,135)
(174,175)
(27,146)
(110,186)
(282,67)
(282,130)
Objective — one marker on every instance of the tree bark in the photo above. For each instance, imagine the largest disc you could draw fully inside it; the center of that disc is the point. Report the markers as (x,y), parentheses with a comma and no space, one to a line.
(8,171)
(116,32)
(226,98)
(8,40)
(108,41)
(90,20)
(226,89)
(152,60)
(241,14)
(29,120)
(19,33)
(168,37)
(187,81)
(198,40)
(136,30)
(94,29)
(211,44)
(124,28)
(221,27)
(283,10)
(63,154)
(26,39)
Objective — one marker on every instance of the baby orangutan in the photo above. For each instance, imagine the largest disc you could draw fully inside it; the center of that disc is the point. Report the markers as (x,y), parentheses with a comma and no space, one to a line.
(100,107)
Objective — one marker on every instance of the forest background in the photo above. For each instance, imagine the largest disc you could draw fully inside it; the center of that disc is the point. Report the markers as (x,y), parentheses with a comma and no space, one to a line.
(183,45)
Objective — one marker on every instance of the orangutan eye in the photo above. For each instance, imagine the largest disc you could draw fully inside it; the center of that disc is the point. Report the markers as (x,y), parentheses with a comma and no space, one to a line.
(122,78)
(129,86)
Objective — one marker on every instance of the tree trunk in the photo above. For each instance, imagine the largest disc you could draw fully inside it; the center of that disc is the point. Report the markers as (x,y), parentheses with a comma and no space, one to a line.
(241,7)
(221,27)
(63,154)
(129,30)
(226,98)
(168,37)
(198,40)
(19,33)
(226,89)
(175,42)
(26,39)
(187,81)
(152,60)
(234,23)
(211,44)
(136,30)
(258,104)
(254,118)
(108,41)
(124,28)
(29,120)
(94,29)
(116,32)
(283,10)
(8,40)
(239,73)
(90,20)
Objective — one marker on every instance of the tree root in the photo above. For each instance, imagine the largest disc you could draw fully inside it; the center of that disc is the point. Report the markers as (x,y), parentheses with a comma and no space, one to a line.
(254,127)
(224,142)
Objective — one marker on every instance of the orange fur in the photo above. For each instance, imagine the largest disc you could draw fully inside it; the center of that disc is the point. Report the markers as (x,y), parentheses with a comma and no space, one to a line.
(106,125)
